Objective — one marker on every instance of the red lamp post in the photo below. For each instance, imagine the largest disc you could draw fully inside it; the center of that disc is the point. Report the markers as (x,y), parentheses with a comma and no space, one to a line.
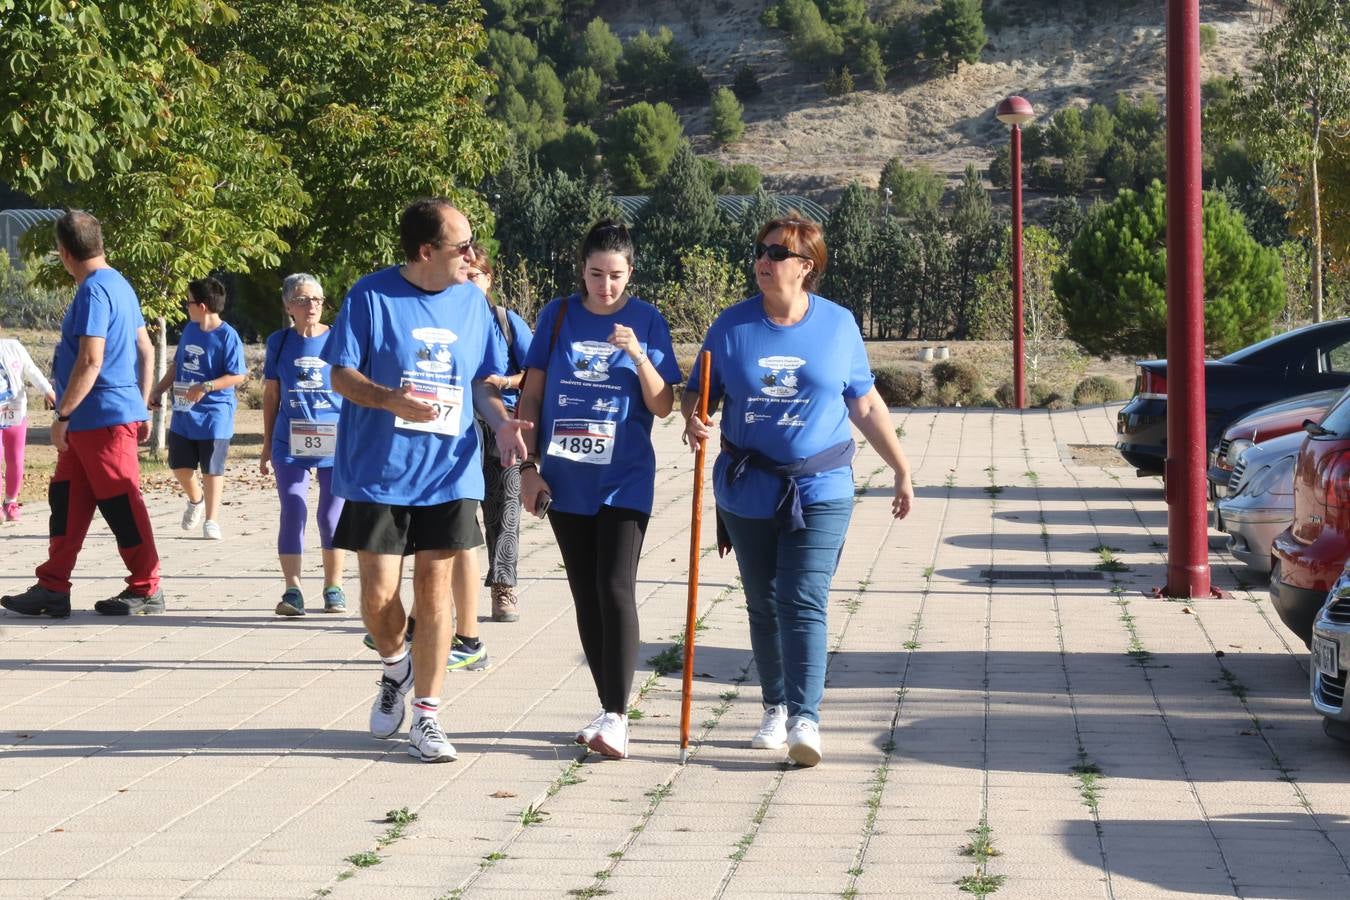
(1016,111)
(1188,511)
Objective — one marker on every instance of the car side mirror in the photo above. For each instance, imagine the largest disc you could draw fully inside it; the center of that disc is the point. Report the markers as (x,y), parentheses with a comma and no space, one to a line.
(1314,429)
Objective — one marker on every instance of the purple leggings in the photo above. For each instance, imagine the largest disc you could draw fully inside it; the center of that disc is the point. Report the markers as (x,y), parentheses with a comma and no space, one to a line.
(13,438)
(293,488)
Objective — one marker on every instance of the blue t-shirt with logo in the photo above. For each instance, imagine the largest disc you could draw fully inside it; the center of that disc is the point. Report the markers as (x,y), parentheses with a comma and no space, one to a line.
(205,356)
(518,349)
(306,390)
(783,390)
(105,306)
(594,430)
(395,333)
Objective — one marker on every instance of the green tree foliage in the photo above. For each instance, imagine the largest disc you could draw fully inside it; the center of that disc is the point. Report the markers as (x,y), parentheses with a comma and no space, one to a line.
(601,49)
(975,249)
(707,285)
(914,192)
(658,67)
(639,144)
(897,264)
(746,84)
(839,83)
(1064,219)
(1112,286)
(1299,91)
(953,33)
(726,123)
(540,220)
(1042,320)
(1138,151)
(576,151)
(365,138)
(682,213)
(848,234)
(740,178)
(585,94)
(85,93)
(867,60)
(741,240)
(510,56)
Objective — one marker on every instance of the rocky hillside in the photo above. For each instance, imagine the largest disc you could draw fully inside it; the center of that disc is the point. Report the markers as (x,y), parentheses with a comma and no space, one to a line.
(1056,53)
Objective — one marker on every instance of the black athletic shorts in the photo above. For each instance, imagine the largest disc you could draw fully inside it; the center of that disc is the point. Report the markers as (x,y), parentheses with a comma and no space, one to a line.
(403,530)
(208,454)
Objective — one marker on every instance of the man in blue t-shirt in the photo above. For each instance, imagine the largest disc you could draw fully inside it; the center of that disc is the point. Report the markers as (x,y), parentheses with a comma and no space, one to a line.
(208,365)
(102,373)
(410,351)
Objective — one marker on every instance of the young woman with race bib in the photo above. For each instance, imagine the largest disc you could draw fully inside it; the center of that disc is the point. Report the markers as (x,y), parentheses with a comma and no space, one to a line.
(600,368)
(300,415)
(791,370)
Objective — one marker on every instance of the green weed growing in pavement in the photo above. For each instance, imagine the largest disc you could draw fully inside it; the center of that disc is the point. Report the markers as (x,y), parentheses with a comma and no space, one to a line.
(398,820)
(668,660)
(950,482)
(491,859)
(1136,647)
(635,714)
(1235,687)
(928,573)
(1109,562)
(566,778)
(1031,476)
(532,815)
(981,848)
(1089,778)
(900,432)
(586,892)
(365,859)
(755,821)
(993,490)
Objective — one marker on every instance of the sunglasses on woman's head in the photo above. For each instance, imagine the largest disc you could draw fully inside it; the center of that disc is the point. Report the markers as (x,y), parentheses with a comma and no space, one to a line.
(776,252)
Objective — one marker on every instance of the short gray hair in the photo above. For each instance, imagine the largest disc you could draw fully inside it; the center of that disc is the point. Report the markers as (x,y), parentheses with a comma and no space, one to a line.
(292,284)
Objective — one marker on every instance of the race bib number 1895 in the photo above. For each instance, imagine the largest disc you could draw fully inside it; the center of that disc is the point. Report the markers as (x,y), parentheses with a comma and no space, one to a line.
(583,440)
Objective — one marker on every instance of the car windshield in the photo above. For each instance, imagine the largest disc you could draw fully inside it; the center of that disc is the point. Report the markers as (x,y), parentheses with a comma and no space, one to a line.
(1337,420)
(1253,353)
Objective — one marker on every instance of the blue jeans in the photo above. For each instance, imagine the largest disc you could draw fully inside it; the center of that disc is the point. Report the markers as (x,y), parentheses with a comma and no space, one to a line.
(786,577)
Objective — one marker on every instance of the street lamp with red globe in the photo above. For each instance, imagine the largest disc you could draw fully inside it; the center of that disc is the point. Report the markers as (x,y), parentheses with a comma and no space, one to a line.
(1016,111)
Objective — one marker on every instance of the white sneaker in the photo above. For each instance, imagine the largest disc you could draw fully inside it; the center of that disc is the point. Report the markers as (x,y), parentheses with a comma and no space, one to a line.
(428,742)
(772,734)
(192,516)
(803,741)
(388,711)
(584,735)
(211,530)
(611,738)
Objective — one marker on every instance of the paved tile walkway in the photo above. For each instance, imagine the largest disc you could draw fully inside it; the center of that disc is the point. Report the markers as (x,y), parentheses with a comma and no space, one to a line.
(1110,744)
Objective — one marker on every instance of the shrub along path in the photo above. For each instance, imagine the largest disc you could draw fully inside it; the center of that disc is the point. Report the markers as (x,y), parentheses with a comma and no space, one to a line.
(1007,714)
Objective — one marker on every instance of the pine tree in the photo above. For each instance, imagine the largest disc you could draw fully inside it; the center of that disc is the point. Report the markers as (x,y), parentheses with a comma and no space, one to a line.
(727,125)
(639,144)
(682,214)
(975,249)
(849,237)
(954,33)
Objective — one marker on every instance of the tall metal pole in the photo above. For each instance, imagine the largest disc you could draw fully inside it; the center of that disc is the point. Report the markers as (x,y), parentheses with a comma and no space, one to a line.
(1019,355)
(1188,513)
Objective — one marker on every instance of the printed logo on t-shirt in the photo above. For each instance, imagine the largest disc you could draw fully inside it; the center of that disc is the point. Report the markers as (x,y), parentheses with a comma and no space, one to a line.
(791,420)
(752,417)
(566,401)
(595,359)
(309,372)
(781,379)
(194,354)
(434,354)
(606,406)
(6,392)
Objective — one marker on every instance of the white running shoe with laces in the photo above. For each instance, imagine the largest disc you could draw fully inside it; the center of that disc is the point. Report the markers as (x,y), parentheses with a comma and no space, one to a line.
(389,711)
(211,530)
(611,738)
(585,734)
(772,734)
(427,741)
(192,516)
(803,740)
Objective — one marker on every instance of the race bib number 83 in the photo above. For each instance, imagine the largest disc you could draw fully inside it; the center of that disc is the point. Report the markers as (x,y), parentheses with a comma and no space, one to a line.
(588,441)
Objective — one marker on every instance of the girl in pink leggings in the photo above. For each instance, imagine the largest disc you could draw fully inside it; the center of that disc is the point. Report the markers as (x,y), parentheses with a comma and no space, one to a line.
(16,366)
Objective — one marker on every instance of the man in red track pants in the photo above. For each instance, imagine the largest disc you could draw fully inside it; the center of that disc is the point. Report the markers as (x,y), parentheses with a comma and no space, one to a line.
(102,374)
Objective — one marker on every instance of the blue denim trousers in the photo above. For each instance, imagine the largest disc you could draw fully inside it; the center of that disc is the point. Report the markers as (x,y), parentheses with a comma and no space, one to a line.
(786,577)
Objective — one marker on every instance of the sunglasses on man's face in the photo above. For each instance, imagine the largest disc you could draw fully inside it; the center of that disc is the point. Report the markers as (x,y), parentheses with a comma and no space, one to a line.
(776,252)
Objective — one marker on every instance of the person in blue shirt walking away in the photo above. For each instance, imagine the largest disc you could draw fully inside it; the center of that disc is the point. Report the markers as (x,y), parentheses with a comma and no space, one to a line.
(791,370)
(202,377)
(410,351)
(592,388)
(501,503)
(300,418)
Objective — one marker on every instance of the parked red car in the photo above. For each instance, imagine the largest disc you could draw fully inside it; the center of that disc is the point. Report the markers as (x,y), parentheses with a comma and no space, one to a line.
(1260,425)
(1311,552)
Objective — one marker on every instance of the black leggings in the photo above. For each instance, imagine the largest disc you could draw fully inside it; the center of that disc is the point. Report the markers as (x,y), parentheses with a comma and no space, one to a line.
(601,555)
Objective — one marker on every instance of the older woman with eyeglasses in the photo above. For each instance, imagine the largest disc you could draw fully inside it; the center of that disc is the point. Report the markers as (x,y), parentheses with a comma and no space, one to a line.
(791,370)
(300,414)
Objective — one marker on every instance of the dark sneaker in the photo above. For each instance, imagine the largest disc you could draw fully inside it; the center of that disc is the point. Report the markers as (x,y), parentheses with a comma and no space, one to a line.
(38,601)
(407,635)
(129,604)
(334,600)
(464,659)
(292,603)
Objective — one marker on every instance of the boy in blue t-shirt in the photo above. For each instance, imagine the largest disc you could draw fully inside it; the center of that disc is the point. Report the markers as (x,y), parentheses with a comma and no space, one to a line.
(202,377)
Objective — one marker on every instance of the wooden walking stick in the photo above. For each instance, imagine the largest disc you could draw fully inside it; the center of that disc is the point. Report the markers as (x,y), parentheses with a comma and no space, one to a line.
(691,612)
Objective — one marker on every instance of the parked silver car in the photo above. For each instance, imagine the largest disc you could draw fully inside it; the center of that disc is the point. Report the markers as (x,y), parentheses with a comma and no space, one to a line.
(1260,501)
(1330,647)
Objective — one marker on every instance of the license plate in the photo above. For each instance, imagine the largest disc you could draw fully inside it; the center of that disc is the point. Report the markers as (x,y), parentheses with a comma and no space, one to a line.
(1325,654)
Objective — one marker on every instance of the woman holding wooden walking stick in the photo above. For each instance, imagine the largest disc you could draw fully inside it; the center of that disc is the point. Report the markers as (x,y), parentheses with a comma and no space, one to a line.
(600,367)
(791,368)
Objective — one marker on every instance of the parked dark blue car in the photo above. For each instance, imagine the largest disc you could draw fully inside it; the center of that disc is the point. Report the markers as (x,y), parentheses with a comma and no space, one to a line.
(1312,358)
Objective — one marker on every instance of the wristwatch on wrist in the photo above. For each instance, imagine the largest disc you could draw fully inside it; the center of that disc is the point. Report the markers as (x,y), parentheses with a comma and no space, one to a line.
(208,386)
(61,418)
(529,464)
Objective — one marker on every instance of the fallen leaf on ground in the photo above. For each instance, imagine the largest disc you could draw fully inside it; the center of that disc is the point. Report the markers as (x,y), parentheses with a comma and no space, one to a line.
(501,794)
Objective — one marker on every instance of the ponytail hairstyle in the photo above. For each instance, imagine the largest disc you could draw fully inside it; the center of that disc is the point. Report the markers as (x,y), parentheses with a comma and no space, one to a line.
(605,236)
